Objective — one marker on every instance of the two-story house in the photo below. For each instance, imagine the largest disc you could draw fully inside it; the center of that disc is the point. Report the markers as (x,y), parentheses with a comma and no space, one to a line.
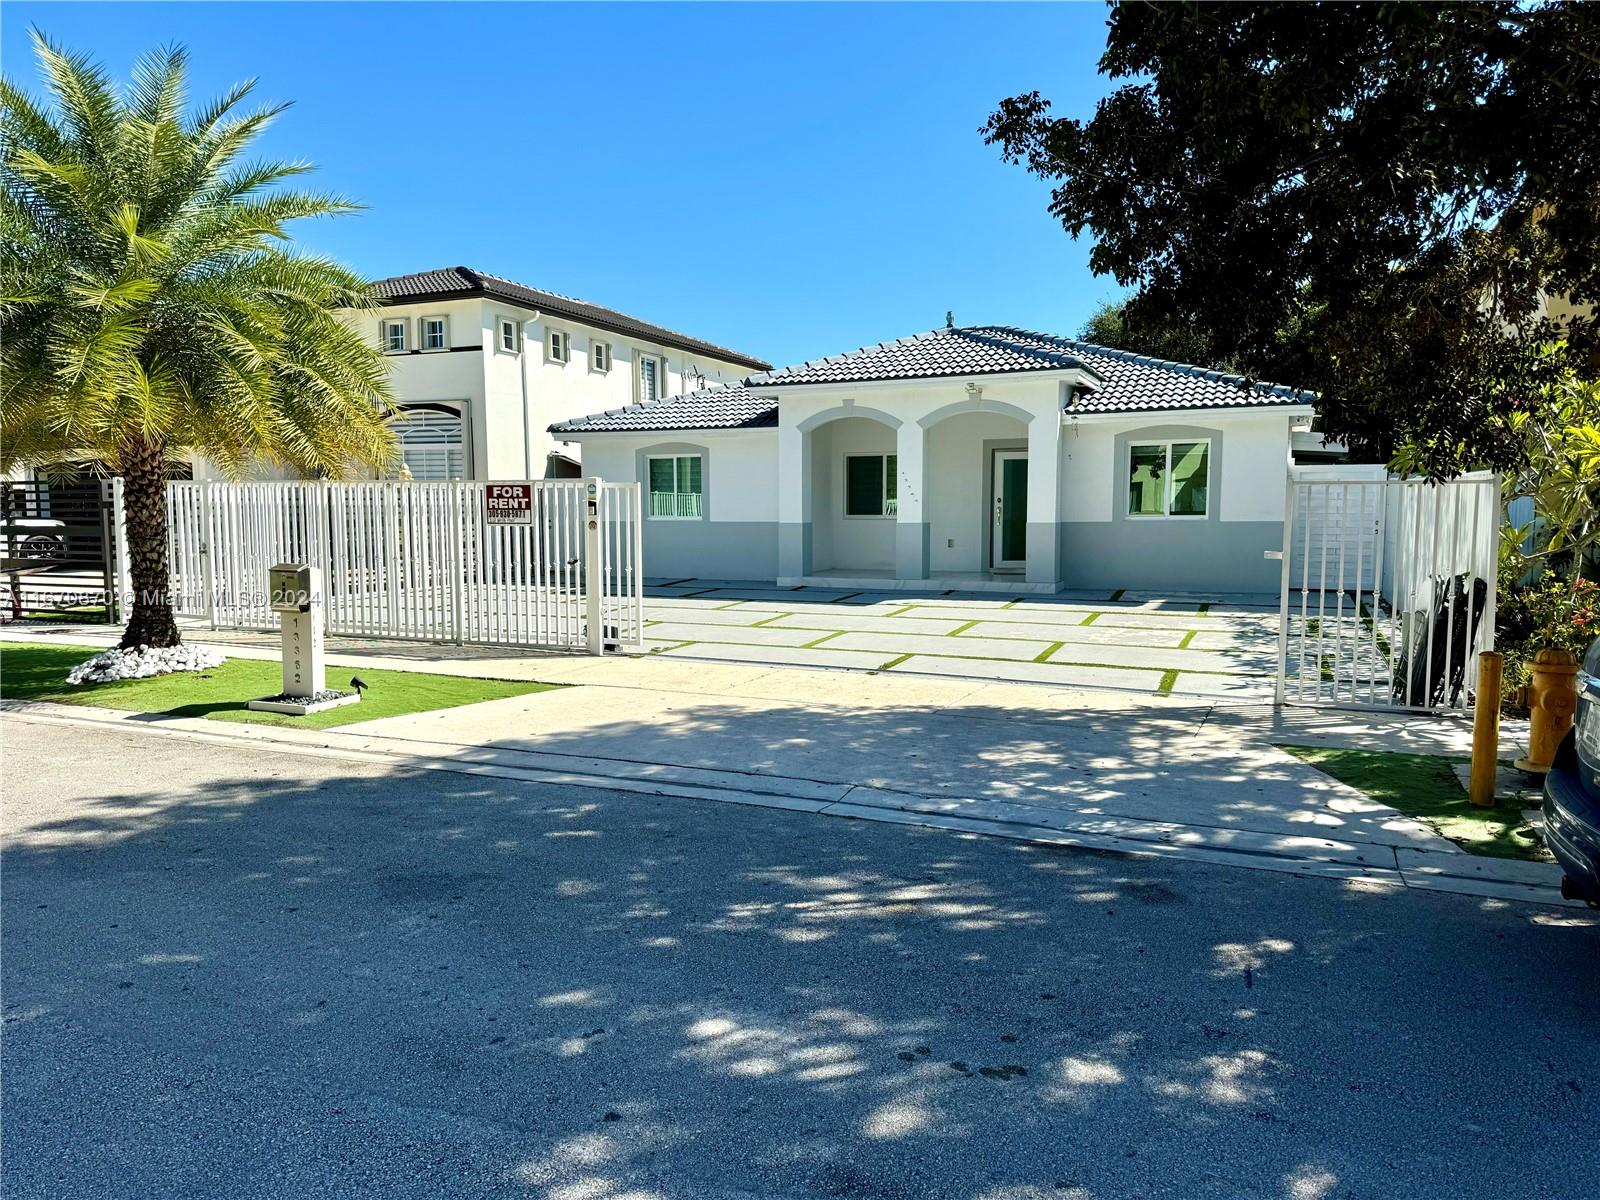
(482,367)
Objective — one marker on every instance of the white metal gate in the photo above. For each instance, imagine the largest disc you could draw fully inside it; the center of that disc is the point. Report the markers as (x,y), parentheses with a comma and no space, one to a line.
(419,560)
(1388,589)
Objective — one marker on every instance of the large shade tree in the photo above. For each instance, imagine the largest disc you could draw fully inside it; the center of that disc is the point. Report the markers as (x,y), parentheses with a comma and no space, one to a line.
(1368,199)
(151,303)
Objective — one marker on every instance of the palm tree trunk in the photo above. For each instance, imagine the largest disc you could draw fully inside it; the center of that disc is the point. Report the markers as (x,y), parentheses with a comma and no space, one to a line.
(144,495)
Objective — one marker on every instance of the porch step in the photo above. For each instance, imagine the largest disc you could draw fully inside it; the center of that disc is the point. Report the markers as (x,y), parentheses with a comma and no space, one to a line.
(1013,585)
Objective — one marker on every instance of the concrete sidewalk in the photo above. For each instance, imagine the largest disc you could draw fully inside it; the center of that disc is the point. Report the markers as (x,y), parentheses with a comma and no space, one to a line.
(1412,733)
(1160,775)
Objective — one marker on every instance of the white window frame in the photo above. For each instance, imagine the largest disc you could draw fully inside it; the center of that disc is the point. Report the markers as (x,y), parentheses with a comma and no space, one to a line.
(1167,514)
(422,413)
(385,324)
(889,504)
(500,346)
(422,333)
(557,346)
(600,357)
(673,459)
(661,376)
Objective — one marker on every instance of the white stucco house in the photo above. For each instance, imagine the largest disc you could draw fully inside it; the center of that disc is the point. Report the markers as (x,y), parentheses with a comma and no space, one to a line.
(482,366)
(970,457)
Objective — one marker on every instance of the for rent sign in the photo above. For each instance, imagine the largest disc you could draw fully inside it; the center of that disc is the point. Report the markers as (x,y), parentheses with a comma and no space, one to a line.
(508,503)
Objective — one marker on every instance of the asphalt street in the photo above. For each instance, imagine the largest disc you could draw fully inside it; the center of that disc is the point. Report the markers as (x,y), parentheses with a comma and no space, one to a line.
(239,973)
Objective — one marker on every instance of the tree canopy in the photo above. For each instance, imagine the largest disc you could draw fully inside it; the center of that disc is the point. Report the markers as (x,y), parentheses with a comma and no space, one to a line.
(1371,200)
(1113,325)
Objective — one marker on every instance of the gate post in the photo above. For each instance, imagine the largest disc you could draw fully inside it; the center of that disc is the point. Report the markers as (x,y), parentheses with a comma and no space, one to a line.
(1285,554)
(593,573)
(209,572)
(105,508)
(458,554)
(119,528)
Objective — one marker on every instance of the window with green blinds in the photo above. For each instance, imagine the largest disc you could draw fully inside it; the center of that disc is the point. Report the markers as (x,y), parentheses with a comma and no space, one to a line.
(870,485)
(1147,481)
(676,485)
(1190,474)
(1169,479)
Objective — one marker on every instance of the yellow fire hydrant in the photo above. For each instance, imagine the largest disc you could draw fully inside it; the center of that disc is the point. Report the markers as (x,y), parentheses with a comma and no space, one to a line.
(1552,701)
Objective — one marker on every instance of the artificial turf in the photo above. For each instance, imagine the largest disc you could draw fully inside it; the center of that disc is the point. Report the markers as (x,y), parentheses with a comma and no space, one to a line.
(1426,786)
(29,671)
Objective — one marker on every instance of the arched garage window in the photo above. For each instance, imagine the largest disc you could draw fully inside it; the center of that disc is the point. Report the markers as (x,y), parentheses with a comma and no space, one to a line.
(432,442)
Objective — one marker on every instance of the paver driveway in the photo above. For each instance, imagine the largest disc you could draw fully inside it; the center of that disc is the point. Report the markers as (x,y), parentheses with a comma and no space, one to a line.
(1214,645)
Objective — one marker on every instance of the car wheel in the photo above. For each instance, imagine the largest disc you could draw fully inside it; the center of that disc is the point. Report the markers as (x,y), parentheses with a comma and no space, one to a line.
(43,547)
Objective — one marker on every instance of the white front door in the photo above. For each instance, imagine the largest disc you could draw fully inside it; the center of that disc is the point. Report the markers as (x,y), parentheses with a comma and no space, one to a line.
(1009,536)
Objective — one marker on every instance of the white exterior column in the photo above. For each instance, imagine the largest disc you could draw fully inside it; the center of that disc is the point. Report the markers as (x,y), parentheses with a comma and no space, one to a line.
(794,502)
(1044,496)
(911,520)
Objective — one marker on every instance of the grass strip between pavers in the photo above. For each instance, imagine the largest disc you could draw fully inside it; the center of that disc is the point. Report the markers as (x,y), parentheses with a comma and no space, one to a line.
(1188,637)
(1000,662)
(833,633)
(894,662)
(1169,681)
(1060,662)
(1106,620)
(670,646)
(32,672)
(1425,786)
(1377,634)
(960,632)
(1044,655)
(1117,595)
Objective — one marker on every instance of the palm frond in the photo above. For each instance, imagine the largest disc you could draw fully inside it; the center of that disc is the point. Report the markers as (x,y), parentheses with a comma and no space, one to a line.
(149,293)
(84,95)
(208,118)
(24,123)
(236,185)
(156,93)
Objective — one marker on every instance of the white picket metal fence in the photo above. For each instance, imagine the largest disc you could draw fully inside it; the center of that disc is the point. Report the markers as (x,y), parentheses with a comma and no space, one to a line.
(1388,589)
(420,561)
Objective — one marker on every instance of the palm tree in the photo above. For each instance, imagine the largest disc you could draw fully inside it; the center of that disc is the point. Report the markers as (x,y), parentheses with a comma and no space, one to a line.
(151,303)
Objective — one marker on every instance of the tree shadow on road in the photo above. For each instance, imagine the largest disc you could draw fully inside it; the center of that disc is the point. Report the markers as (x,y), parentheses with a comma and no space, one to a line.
(455,985)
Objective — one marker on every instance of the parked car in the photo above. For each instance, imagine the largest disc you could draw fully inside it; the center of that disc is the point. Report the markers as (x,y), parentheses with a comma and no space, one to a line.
(1572,792)
(33,537)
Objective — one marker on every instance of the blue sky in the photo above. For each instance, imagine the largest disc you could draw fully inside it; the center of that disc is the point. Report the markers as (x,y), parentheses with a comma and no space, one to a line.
(790,180)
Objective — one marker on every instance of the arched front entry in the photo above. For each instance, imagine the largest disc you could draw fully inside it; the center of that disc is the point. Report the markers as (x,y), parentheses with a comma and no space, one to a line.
(852,478)
(975,462)
(950,493)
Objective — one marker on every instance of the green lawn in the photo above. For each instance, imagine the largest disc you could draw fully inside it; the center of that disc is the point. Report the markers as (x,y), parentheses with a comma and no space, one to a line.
(33,672)
(1425,786)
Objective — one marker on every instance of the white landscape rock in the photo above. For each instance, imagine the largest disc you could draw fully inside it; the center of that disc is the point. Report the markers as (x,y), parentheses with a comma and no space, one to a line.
(141,662)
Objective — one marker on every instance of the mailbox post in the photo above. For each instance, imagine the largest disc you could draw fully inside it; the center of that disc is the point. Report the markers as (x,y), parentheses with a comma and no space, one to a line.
(294,591)
(594,577)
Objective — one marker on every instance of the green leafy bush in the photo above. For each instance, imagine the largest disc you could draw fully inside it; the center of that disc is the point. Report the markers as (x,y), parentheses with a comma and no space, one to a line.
(1548,612)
